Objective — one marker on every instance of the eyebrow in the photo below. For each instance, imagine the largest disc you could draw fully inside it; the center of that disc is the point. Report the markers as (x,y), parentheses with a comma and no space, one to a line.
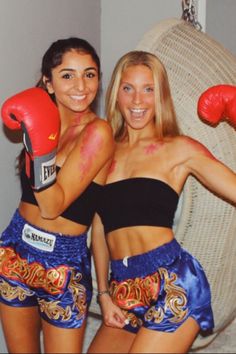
(87,69)
(145,84)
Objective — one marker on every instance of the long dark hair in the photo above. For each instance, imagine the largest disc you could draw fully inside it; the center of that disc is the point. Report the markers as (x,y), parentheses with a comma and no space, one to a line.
(54,55)
(51,59)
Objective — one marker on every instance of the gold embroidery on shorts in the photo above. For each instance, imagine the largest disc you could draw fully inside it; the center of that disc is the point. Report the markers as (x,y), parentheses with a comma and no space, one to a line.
(34,274)
(9,292)
(52,280)
(78,293)
(135,292)
(154,314)
(175,300)
(134,321)
(54,311)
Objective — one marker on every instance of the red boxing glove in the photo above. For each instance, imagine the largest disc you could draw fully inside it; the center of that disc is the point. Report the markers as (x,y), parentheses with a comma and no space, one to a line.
(217,103)
(36,114)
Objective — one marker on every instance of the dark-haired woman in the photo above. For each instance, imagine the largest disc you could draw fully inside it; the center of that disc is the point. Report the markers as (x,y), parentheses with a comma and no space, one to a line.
(45,275)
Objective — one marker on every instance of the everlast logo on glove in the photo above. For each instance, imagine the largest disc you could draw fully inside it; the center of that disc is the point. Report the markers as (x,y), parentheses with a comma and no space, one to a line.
(43,171)
(48,171)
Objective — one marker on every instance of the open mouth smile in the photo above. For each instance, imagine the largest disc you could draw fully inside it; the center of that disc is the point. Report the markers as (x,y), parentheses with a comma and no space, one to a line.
(78,97)
(138,112)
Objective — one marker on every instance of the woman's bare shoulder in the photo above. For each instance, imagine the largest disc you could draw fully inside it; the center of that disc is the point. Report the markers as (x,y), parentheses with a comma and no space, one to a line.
(188,147)
(100,125)
(184,141)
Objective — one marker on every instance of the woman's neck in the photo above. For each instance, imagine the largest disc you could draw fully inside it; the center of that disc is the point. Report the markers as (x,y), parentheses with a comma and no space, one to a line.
(135,136)
(75,119)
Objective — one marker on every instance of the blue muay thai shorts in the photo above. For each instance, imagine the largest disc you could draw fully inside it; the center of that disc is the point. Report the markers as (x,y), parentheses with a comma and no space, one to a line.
(160,289)
(45,269)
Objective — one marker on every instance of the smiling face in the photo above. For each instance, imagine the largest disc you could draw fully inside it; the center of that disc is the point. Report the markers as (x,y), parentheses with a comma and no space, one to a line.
(136,96)
(74,82)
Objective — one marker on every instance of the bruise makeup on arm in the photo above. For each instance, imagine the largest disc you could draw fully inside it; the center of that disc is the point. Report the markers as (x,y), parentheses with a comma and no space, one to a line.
(91,146)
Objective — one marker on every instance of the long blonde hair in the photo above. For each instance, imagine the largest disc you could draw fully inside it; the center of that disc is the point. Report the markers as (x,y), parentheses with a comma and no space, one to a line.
(165,117)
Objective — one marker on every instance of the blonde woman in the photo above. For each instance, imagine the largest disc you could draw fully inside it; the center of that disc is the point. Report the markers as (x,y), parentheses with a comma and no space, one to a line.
(157,297)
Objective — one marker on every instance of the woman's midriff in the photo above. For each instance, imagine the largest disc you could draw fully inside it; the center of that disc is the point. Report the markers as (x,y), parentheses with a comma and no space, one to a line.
(136,240)
(31,213)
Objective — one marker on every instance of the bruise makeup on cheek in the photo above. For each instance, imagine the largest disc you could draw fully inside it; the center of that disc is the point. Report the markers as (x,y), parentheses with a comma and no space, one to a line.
(91,145)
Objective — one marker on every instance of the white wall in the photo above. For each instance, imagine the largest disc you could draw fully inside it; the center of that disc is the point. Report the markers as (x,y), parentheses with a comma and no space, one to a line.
(123,23)
(221,23)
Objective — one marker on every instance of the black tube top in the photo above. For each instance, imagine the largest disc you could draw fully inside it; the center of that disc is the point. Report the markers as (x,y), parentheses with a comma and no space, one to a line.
(81,211)
(137,201)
